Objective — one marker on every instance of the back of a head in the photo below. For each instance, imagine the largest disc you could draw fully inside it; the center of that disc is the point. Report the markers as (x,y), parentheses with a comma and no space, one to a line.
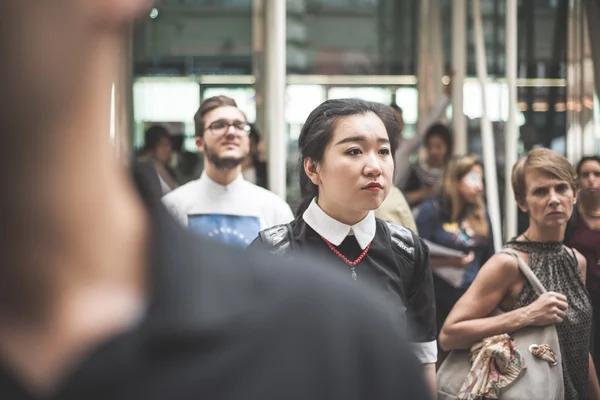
(318,129)
(208,105)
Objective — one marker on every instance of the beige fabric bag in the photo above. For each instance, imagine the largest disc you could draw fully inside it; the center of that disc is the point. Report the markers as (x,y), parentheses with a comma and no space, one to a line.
(539,381)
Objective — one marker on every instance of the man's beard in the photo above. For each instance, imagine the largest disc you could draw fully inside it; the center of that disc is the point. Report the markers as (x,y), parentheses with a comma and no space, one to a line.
(222,162)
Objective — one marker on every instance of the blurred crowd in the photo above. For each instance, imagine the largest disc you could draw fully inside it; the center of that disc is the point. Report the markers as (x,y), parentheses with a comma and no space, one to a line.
(182,276)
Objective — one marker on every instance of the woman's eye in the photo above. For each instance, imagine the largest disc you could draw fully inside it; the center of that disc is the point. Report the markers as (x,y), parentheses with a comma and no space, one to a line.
(353,152)
(385,152)
(562,188)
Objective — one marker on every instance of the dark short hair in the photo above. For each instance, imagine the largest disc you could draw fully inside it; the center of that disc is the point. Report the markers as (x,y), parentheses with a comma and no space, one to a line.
(318,130)
(584,160)
(546,161)
(441,131)
(208,105)
(154,135)
(396,107)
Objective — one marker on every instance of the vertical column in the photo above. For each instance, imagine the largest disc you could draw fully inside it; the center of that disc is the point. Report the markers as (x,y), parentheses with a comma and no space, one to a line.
(574,82)
(487,136)
(274,95)
(459,65)
(430,58)
(510,133)
(258,60)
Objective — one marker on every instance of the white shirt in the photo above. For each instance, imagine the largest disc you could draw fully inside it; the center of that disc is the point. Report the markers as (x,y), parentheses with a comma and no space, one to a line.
(335,231)
(232,214)
(364,231)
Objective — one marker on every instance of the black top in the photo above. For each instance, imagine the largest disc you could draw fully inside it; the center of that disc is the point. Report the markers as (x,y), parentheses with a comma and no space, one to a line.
(397,265)
(225,324)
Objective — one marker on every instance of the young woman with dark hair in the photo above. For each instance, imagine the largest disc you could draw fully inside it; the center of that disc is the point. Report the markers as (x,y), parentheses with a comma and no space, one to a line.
(346,171)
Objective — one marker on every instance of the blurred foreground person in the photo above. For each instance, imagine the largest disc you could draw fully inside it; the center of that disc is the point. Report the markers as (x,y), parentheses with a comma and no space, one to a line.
(157,153)
(104,296)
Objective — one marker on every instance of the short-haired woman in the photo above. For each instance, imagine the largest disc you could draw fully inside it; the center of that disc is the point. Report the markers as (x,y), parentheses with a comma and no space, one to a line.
(544,187)
(346,170)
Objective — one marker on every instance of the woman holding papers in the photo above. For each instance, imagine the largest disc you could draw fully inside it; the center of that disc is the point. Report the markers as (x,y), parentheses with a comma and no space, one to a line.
(456,221)
(346,171)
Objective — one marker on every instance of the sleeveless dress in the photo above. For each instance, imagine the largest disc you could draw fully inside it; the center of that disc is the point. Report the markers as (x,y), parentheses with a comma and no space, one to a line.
(557,269)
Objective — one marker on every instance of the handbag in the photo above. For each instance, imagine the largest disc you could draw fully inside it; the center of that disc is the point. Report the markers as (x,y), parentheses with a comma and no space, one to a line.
(539,380)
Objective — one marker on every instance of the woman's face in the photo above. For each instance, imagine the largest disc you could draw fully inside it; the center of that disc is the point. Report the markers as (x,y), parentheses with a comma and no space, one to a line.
(589,178)
(470,187)
(437,150)
(163,150)
(357,168)
(548,200)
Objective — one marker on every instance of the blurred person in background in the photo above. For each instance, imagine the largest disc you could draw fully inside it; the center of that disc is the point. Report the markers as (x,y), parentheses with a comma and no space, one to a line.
(583,234)
(346,170)
(544,186)
(104,296)
(157,152)
(221,204)
(409,147)
(254,166)
(458,220)
(425,176)
(187,166)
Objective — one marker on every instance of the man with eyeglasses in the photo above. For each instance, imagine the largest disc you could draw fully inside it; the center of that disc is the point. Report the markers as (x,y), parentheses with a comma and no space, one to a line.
(221,204)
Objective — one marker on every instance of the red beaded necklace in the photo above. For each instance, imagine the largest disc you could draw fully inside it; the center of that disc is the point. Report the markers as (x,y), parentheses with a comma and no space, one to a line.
(352,264)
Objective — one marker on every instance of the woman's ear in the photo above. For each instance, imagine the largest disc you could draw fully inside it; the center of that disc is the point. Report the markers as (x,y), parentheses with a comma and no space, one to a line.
(311,170)
(522,205)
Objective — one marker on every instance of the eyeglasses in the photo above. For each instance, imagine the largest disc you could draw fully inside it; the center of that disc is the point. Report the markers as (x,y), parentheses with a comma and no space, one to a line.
(221,127)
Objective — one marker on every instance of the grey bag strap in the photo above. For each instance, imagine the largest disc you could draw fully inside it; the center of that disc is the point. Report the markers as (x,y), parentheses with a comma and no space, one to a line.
(526,270)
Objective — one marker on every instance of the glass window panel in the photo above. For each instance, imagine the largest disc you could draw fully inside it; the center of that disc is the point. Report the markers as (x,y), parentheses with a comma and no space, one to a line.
(408,99)
(301,100)
(166,101)
(378,94)
(353,37)
(195,38)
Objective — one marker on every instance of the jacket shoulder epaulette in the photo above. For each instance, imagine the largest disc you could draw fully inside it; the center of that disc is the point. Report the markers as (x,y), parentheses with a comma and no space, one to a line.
(403,240)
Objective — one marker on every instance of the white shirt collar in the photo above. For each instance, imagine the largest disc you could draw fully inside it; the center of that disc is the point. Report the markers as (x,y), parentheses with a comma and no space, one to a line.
(335,231)
(218,188)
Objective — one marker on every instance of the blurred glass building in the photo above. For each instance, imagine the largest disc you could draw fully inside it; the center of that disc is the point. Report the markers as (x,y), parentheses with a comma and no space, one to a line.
(381,50)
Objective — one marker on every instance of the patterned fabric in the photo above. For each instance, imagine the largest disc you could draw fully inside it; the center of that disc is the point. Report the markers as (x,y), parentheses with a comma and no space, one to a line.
(557,269)
(495,363)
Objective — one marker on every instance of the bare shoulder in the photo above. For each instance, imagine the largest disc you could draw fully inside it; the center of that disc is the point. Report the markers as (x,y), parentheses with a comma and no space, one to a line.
(502,264)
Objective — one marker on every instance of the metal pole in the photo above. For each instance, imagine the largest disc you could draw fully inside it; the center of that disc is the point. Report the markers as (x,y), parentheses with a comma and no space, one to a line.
(274,101)
(459,65)
(510,130)
(489,156)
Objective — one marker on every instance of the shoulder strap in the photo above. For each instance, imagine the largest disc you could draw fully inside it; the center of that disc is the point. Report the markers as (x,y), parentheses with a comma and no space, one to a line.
(526,270)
